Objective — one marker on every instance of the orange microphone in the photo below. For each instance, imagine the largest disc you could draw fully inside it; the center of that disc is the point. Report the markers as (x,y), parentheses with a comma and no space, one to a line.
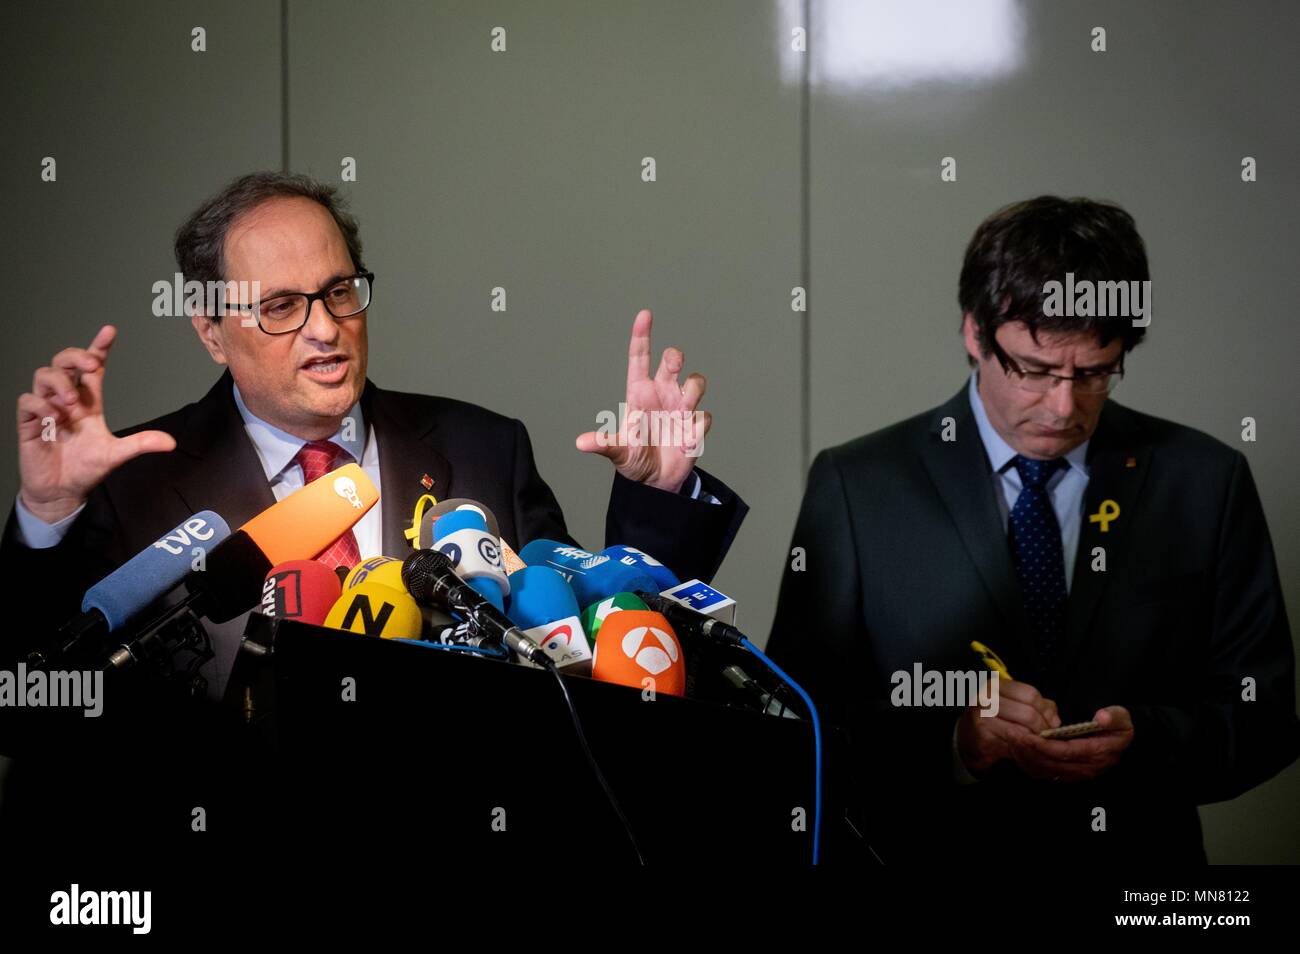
(306,522)
(633,645)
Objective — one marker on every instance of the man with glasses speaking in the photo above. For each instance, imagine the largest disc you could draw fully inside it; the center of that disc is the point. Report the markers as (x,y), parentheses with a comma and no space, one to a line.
(1115,566)
(295,403)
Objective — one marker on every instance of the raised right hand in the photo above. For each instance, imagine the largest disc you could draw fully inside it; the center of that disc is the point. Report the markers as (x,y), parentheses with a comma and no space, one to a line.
(1022,711)
(57,475)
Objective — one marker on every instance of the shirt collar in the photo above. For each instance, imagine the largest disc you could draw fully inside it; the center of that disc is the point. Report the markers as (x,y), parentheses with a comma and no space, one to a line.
(1000,453)
(276,448)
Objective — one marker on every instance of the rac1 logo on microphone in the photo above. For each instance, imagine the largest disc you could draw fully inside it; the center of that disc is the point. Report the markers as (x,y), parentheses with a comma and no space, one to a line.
(182,535)
(282,595)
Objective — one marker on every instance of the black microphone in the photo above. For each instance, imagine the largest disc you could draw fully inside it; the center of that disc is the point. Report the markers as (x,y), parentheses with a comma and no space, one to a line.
(755,695)
(683,617)
(430,578)
(229,584)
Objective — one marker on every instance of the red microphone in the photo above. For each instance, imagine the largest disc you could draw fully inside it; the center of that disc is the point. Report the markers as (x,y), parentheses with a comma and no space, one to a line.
(302,590)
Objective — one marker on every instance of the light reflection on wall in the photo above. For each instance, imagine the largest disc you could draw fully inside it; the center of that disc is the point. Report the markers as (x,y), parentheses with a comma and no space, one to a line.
(865,45)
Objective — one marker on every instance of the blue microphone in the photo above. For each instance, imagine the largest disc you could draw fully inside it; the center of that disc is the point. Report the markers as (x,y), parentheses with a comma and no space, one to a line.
(463,536)
(542,604)
(118,598)
(593,576)
(665,579)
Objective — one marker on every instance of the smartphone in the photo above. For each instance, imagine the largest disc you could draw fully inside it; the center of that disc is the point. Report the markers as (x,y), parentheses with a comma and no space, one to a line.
(1071,731)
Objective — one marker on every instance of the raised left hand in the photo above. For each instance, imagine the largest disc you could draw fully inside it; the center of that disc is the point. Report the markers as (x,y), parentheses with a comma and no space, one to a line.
(1076,760)
(662,451)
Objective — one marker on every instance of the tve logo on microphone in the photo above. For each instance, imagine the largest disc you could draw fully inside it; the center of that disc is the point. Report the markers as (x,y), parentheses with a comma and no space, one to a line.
(194,530)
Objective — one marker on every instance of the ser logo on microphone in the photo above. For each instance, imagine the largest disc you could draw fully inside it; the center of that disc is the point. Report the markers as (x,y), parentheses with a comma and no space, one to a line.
(488,550)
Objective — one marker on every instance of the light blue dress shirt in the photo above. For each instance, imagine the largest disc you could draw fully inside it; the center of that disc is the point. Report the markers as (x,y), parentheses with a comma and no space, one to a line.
(276,450)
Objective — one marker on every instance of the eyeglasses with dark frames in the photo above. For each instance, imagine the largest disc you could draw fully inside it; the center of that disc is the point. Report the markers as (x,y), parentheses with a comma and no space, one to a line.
(1090,382)
(284,314)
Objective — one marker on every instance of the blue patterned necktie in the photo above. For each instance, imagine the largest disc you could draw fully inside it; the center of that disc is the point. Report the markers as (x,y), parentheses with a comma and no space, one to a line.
(1035,539)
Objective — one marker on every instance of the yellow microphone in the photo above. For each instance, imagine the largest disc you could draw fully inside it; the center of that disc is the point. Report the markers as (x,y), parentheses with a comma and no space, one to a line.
(373,609)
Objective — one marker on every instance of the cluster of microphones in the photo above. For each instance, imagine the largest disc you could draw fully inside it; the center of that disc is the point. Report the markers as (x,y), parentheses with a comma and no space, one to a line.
(618,615)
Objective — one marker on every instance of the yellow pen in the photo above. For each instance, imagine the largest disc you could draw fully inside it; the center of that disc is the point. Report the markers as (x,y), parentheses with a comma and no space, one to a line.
(990,659)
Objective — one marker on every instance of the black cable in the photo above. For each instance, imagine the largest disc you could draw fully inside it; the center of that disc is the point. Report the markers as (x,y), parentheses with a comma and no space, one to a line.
(591,760)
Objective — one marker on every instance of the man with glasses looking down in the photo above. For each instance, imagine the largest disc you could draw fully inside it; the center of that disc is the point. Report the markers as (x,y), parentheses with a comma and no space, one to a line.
(1119,565)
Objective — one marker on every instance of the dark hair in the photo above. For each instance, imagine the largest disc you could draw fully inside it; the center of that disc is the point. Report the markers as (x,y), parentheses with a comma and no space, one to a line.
(201,240)
(1021,247)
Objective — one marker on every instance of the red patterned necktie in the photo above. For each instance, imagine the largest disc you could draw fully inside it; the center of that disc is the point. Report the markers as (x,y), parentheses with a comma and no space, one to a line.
(316,459)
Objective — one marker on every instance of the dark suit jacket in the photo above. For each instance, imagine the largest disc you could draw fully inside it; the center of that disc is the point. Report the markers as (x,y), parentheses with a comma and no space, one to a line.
(907,561)
(467,450)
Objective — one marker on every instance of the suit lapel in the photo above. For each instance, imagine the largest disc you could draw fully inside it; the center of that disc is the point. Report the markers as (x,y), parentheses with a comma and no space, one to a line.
(963,478)
(405,431)
(222,472)
(1117,465)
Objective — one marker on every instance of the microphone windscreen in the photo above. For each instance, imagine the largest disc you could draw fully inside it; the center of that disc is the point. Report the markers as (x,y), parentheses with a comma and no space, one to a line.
(593,576)
(463,535)
(431,516)
(155,569)
(376,610)
(231,580)
(634,645)
(377,569)
(664,578)
(306,522)
(539,595)
(595,614)
(302,590)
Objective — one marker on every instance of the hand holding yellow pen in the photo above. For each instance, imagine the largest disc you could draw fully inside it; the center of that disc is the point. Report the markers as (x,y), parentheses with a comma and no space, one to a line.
(990,659)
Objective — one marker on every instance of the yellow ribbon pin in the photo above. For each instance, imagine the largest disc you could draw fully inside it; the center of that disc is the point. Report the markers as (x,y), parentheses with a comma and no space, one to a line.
(412,533)
(1108,511)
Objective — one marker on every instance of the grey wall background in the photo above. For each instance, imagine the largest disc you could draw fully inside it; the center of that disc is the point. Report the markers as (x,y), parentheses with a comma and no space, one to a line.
(522,170)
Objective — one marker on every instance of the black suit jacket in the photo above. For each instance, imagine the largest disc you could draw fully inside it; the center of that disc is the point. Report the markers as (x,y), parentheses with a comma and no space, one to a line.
(907,561)
(468,451)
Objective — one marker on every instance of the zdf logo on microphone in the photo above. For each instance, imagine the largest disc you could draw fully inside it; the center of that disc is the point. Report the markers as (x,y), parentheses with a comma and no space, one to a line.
(346,488)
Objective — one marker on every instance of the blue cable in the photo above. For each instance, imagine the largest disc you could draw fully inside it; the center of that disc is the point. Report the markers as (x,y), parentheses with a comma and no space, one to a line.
(817,740)
(493,653)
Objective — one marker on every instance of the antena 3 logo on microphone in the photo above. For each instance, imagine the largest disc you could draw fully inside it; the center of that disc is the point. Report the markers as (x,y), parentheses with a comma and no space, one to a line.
(635,644)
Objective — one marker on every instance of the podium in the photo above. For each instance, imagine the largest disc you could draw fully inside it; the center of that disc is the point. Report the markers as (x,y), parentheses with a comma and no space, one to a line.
(385,747)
